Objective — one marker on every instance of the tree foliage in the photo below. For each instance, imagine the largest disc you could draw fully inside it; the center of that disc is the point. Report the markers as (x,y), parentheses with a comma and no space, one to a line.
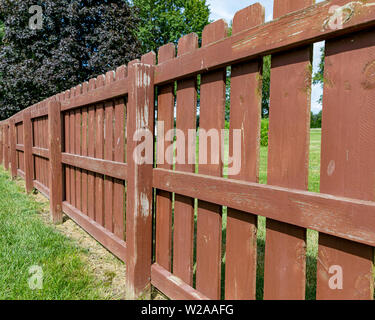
(316,120)
(164,21)
(79,39)
(318,77)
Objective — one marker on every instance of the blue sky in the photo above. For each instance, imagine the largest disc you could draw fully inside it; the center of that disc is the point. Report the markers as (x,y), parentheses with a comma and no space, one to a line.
(225,9)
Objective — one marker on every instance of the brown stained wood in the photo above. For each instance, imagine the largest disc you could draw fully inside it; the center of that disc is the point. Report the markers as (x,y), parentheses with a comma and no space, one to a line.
(163,246)
(107,239)
(342,217)
(67,150)
(209,224)
(303,27)
(283,7)
(1,144)
(245,113)
(186,118)
(91,153)
(78,151)
(6,146)
(173,286)
(36,144)
(119,156)
(288,163)
(28,156)
(108,155)
(84,151)
(13,151)
(100,94)
(40,152)
(45,145)
(42,188)
(105,167)
(55,165)
(139,188)
(21,174)
(348,158)
(99,153)
(72,137)
(149,58)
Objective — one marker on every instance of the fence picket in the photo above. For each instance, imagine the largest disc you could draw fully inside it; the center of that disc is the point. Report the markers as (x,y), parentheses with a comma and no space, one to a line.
(186,118)
(246,100)
(13,152)
(91,153)
(288,161)
(108,155)
(28,156)
(347,161)
(120,111)
(85,88)
(165,113)
(209,224)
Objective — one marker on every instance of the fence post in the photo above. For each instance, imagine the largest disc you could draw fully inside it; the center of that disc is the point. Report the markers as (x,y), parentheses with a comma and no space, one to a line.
(139,188)
(55,165)
(6,148)
(1,143)
(13,152)
(28,156)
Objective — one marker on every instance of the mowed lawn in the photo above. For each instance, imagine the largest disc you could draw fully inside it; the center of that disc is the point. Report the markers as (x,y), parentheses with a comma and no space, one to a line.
(27,241)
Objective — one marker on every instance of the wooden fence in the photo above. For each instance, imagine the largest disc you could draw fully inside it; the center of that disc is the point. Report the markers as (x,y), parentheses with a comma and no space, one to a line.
(77,147)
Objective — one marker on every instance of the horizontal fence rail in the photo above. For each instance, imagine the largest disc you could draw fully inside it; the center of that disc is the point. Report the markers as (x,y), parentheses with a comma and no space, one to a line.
(179,223)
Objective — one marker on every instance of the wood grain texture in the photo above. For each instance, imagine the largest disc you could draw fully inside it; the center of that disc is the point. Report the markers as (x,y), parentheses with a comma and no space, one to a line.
(108,155)
(208,274)
(72,136)
(55,165)
(120,136)
(140,113)
(1,144)
(348,157)
(78,151)
(6,146)
(342,217)
(12,149)
(165,116)
(105,167)
(67,150)
(91,153)
(84,147)
(186,119)
(28,157)
(95,95)
(288,162)
(99,153)
(245,108)
(173,286)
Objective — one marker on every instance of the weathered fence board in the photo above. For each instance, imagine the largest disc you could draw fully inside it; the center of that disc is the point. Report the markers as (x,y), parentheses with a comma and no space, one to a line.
(348,155)
(288,161)
(81,147)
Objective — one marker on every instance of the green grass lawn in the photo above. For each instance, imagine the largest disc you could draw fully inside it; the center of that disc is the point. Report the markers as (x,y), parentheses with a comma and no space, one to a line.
(26,241)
